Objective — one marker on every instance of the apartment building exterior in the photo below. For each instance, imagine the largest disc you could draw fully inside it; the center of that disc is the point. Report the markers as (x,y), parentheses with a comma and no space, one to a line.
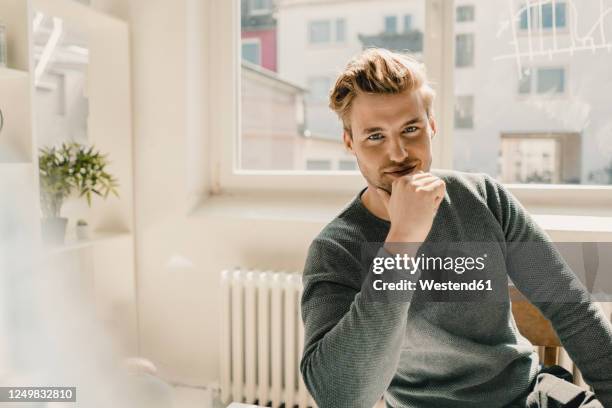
(530,79)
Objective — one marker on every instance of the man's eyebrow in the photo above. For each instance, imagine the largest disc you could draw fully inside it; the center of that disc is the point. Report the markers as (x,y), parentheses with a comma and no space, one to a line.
(378,129)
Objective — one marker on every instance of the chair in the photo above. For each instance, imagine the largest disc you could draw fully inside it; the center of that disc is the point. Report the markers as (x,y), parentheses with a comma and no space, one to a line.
(535,327)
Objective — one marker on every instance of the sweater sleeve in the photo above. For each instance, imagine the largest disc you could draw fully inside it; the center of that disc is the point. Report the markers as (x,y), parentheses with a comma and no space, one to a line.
(539,272)
(352,345)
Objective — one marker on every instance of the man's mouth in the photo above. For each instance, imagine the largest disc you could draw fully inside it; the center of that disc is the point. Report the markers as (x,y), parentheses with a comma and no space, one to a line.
(401,171)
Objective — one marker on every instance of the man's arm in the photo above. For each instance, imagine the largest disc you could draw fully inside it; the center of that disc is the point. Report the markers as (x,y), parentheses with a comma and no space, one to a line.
(352,345)
(353,341)
(540,273)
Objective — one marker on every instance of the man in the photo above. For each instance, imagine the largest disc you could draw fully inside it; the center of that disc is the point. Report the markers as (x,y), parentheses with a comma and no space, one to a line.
(431,354)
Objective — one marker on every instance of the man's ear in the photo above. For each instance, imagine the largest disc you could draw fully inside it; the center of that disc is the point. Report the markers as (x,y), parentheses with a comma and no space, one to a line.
(348,140)
(434,125)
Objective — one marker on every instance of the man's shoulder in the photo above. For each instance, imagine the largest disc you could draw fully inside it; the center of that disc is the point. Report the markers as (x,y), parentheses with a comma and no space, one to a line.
(462,182)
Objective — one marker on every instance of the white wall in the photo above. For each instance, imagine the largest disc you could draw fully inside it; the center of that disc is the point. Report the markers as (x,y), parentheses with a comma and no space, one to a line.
(178,309)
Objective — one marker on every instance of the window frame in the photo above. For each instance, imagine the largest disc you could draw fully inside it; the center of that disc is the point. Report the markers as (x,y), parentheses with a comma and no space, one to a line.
(224,119)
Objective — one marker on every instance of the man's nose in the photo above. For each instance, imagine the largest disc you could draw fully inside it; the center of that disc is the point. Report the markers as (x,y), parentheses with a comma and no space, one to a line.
(396,150)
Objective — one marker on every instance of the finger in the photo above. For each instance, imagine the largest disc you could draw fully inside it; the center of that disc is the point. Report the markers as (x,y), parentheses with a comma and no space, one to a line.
(423,181)
(384,196)
(433,186)
(418,174)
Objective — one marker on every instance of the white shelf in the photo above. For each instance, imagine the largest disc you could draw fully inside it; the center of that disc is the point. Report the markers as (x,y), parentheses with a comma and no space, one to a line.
(72,243)
(12,73)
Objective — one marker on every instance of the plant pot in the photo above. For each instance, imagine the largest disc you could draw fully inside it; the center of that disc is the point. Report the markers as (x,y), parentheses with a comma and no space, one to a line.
(54,230)
(82,231)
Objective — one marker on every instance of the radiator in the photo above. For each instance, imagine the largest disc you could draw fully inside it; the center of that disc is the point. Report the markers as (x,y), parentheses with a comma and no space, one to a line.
(262,337)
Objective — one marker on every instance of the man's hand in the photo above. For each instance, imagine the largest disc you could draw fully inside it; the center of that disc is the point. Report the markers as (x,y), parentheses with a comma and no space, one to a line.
(412,206)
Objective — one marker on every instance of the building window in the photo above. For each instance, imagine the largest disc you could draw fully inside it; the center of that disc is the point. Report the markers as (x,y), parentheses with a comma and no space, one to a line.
(340,30)
(319,32)
(524,85)
(407,23)
(260,6)
(465,13)
(251,51)
(464,50)
(544,16)
(547,80)
(551,80)
(390,24)
(315,164)
(347,165)
(540,158)
(464,112)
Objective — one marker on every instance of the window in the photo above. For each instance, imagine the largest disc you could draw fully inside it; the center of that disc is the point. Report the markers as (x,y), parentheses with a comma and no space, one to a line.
(281,109)
(521,81)
(540,158)
(251,51)
(543,15)
(525,80)
(260,6)
(551,80)
(390,24)
(319,31)
(407,23)
(347,165)
(465,13)
(464,51)
(464,112)
(340,30)
(546,81)
(314,164)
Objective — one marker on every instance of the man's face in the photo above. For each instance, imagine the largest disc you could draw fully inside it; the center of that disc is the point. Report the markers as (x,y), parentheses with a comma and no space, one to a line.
(391,136)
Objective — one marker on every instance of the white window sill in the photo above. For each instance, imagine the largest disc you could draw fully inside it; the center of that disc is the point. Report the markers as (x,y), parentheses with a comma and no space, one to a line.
(322,208)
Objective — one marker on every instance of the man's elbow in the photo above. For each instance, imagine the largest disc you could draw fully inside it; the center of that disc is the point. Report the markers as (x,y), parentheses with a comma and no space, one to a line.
(324,387)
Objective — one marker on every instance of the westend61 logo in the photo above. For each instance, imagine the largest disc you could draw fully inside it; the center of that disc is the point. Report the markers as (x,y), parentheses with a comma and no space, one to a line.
(426,263)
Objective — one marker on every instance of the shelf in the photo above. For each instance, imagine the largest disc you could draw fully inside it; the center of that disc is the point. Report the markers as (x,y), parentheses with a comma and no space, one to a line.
(72,243)
(12,73)
(16,134)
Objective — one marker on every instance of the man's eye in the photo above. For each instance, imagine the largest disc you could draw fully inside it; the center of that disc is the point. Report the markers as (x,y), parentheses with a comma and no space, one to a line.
(375,136)
(411,129)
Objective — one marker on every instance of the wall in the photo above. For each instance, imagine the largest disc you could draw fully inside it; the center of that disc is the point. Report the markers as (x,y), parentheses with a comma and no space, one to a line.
(178,308)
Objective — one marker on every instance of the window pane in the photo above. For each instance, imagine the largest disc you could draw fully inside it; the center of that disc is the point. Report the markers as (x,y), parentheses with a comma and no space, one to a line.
(390,24)
(525,80)
(560,14)
(340,30)
(407,23)
(348,165)
(464,112)
(318,164)
(547,15)
(251,53)
(464,51)
(551,80)
(286,122)
(540,111)
(320,31)
(465,13)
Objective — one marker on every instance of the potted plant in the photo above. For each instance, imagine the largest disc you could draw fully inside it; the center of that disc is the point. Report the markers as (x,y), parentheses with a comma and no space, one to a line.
(71,167)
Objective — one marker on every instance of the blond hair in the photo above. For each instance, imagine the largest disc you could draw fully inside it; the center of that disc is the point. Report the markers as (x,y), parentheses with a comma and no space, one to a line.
(379,71)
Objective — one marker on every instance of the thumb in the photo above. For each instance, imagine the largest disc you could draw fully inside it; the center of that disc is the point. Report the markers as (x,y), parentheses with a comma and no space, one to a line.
(384,196)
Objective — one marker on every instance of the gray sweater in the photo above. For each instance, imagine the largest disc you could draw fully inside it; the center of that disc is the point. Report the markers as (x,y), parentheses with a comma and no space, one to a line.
(440,354)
